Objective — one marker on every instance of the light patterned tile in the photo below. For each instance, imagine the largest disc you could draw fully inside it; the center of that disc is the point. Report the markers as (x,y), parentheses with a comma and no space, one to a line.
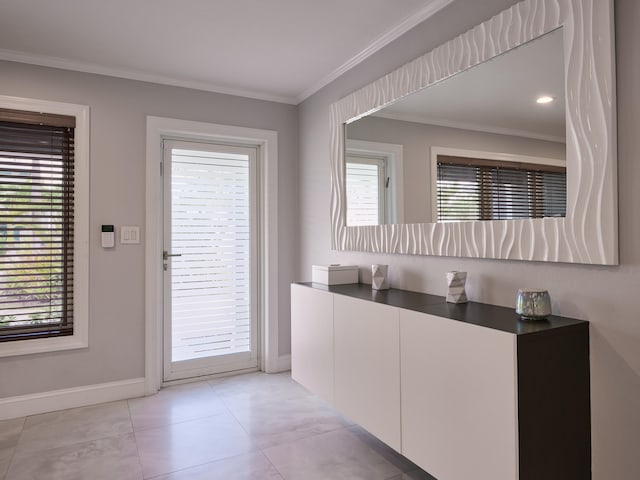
(66,427)
(10,431)
(175,404)
(254,389)
(251,466)
(274,422)
(202,431)
(384,450)
(413,475)
(335,455)
(103,459)
(182,445)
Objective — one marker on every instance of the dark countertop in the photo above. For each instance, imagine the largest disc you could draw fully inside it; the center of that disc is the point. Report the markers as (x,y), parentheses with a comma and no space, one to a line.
(491,316)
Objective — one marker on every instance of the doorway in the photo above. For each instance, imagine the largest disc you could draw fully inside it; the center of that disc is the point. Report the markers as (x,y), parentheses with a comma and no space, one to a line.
(210,259)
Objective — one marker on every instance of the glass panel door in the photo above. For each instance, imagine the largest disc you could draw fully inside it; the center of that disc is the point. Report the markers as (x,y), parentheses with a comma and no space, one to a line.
(210,258)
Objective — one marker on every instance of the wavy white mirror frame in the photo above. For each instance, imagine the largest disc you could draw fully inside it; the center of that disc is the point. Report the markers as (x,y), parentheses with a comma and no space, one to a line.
(589,232)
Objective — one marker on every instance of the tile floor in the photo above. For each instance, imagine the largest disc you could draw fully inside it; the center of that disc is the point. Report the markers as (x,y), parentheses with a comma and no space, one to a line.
(254,426)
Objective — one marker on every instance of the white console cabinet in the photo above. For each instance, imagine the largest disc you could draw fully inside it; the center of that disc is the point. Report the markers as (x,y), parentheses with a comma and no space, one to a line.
(464,391)
(312,340)
(367,366)
(458,398)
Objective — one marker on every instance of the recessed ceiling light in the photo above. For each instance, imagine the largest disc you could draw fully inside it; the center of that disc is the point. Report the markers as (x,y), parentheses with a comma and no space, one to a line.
(544,99)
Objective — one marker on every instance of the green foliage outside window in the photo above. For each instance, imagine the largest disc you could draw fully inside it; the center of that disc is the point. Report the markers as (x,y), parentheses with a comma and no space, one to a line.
(32,264)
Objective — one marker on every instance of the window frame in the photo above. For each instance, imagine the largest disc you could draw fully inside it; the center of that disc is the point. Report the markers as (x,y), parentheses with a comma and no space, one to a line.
(392,156)
(80,336)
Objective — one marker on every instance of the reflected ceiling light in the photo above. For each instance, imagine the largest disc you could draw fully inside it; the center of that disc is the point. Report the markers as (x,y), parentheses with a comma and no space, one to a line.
(544,99)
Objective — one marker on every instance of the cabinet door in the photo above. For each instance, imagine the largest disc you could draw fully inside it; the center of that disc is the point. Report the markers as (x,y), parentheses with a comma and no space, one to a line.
(367,366)
(312,340)
(459,413)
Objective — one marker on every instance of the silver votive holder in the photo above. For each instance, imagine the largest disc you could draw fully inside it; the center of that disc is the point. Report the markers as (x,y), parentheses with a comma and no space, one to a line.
(533,304)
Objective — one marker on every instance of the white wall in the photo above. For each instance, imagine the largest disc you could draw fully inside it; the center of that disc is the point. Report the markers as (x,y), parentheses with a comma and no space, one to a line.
(417,140)
(118,137)
(606,296)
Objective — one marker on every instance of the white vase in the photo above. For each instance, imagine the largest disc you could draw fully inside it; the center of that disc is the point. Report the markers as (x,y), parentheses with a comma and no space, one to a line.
(456,282)
(379,277)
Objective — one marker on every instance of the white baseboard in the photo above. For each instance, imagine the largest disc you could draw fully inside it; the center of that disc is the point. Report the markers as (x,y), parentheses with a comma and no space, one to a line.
(23,405)
(284,363)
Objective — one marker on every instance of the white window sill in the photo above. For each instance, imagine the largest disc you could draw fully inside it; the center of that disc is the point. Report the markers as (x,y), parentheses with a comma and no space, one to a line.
(42,345)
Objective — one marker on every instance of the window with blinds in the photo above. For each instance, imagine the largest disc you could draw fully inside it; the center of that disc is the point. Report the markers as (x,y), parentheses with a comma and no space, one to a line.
(365,182)
(479,189)
(36,225)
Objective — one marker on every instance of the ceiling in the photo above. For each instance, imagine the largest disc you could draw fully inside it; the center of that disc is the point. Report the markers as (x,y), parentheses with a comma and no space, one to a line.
(280,50)
(498,96)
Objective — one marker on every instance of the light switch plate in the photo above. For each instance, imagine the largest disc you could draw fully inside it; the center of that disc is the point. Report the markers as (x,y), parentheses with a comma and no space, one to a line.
(129,235)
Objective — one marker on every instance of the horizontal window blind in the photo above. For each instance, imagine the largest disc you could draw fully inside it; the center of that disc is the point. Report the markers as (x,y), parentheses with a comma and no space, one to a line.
(477,189)
(36,225)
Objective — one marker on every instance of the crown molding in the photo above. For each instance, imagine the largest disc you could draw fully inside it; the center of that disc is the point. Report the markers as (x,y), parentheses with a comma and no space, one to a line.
(86,67)
(477,127)
(378,44)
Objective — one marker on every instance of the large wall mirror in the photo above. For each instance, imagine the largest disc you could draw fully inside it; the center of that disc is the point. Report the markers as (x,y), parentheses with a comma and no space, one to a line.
(497,144)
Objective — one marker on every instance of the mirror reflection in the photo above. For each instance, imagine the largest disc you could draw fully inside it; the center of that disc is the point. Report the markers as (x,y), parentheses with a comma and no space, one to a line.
(488,143)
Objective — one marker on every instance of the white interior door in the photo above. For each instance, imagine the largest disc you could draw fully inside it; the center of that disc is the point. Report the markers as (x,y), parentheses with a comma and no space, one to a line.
(209,259)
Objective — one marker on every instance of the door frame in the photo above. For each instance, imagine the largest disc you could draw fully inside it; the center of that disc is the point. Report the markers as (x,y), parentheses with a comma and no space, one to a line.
(159,128)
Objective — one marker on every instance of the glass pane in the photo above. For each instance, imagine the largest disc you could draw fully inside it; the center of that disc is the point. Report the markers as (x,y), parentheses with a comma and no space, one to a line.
(210,280)
(363,195)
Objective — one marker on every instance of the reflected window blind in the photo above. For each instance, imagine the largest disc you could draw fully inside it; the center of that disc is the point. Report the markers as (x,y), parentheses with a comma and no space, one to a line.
(365,191)
(478,189)
(36,225)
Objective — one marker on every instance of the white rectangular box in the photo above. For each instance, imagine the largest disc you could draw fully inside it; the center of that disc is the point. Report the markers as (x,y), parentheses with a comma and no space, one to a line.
(334,274)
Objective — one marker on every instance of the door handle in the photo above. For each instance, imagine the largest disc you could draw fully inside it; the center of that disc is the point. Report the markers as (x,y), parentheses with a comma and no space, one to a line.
(166,255)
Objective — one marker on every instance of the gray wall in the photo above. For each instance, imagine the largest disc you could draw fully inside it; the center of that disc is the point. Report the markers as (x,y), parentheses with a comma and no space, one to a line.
(606,296)
(417,140)
(118,138)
